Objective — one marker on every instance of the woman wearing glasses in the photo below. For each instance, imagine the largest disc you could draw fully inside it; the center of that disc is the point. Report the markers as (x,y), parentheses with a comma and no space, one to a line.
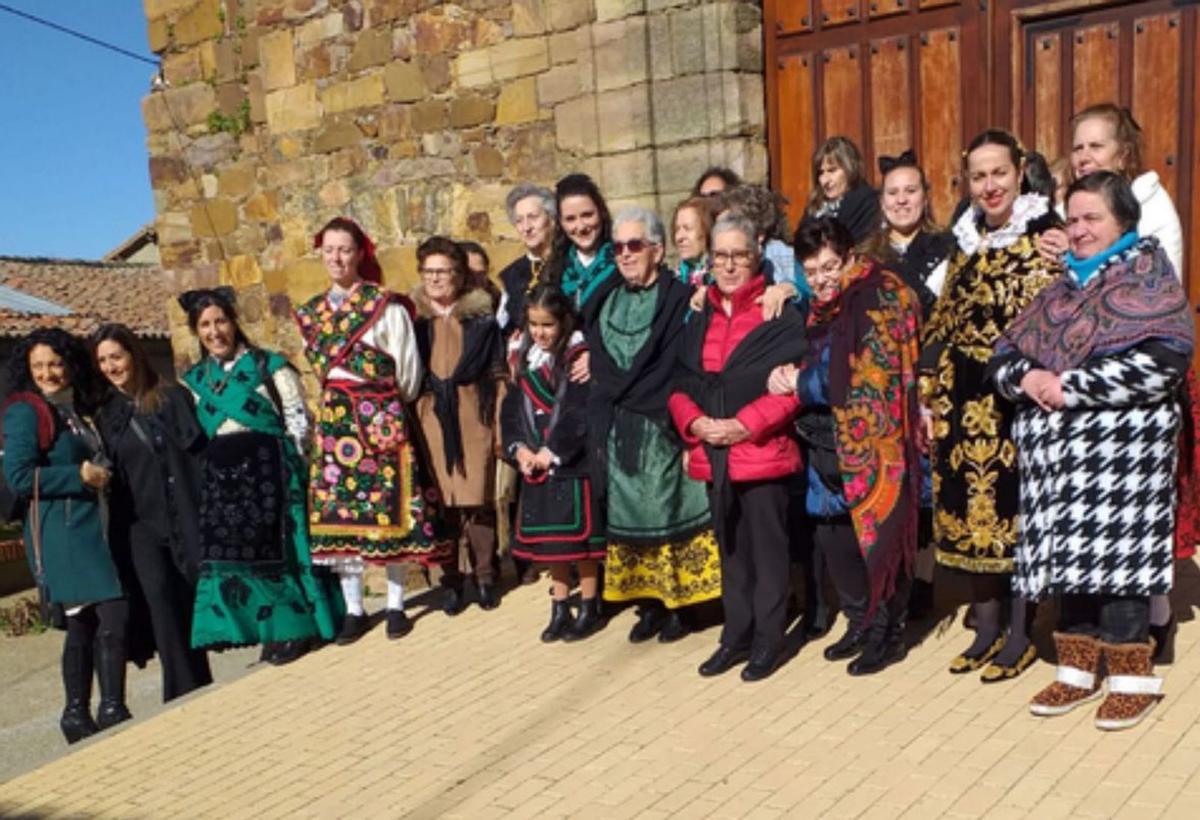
(737,440)
(369,498)
(463,358)
(661,550)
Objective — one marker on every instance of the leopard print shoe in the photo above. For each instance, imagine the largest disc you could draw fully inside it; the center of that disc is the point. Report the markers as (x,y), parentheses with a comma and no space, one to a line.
(1133,691)
(1075,679)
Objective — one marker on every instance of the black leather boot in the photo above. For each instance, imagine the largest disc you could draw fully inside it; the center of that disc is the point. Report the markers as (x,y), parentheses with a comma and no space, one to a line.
(110,669)
(1164,641)
(587,621)
(560,621)
(76,722)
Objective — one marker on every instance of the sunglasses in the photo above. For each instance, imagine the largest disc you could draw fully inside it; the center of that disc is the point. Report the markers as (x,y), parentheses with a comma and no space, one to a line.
(633,246)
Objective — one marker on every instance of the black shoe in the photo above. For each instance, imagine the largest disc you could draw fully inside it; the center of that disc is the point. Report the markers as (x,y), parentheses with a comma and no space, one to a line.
(817,623)
(650,621)
(453,603)
(487,597)
(76,722)
(877,656)
(1164,641)
(722,661)
(673,628)
(587,621)
(284,652)
(110,671)
(920,600)
(353,627)
(846,646)
(398,624)
(560,621)
(763,663)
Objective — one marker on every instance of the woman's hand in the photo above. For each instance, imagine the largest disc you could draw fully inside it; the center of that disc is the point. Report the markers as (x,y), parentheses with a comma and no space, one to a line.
(543,460)
(94,476)
(734,432)
(925,432)
(1044,389)
(1052,244)
(696,303)
(782,381)
(526,461)
(774,298)
(581,368)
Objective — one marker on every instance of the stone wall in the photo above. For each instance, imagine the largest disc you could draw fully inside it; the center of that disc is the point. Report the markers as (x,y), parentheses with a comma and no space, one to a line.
(416,117)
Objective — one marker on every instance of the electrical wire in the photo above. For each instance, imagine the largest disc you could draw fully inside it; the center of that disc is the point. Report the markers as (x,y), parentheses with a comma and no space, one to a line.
(80,35)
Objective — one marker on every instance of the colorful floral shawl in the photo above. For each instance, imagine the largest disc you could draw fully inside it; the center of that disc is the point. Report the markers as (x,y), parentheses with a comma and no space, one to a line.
(874,327)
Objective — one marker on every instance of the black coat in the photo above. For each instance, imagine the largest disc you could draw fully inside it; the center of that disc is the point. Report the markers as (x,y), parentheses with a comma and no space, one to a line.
(516,279)
(918,262)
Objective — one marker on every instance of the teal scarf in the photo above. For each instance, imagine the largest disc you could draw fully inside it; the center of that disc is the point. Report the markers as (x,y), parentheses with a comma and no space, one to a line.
(580,281)
(1084,269)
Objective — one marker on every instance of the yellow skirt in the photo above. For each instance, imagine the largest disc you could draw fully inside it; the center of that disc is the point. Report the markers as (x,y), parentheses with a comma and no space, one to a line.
(678,573)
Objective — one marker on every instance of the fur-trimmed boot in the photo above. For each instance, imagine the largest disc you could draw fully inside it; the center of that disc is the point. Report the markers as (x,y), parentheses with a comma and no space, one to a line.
(1075,679)
(1133,690)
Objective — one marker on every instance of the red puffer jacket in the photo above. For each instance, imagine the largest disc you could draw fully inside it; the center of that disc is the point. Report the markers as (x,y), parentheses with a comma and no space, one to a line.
(769,452)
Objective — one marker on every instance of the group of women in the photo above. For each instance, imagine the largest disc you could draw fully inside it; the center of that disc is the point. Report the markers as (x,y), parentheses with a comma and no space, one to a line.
(1009,400)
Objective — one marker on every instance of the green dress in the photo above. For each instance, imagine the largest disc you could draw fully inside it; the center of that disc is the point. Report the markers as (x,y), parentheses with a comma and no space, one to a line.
(265,589)
(660,545)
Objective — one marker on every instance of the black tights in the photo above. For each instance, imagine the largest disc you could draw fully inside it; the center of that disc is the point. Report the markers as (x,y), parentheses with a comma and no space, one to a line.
(106,620)
(991,595)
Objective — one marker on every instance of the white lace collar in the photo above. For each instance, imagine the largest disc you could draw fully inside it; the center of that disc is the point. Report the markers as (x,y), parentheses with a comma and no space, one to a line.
(538,357)
(1026,208)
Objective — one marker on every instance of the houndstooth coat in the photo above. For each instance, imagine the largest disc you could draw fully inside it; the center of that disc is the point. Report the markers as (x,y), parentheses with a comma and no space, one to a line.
(1098,477)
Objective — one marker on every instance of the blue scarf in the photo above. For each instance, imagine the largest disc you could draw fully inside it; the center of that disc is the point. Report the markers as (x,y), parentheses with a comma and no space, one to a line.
(1084,269)
(579,281)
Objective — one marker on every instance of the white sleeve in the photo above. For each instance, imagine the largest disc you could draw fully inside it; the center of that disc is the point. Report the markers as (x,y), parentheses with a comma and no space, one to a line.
(1161,220)
(295,411)
(396,338)
(502,310)
(937,279)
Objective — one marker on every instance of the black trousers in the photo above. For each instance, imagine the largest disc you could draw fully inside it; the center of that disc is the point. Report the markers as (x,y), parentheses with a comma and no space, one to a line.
(754,565)
(1111,618)
(837,542)
(169,597)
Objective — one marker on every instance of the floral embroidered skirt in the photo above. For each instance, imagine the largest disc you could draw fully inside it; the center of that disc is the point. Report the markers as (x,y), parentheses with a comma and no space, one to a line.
(678,573)
(370,497)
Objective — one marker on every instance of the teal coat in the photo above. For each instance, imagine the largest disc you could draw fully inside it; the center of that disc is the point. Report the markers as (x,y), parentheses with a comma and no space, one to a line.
(76,563)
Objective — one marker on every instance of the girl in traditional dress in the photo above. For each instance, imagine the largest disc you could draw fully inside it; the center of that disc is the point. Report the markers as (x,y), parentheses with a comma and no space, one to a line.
(840,188)
(53,459)
(1095,364)
(544,426)
(463,358)
(257,583)
(370,498)
(857,385)
(995,273)
(661,549)
(151,434)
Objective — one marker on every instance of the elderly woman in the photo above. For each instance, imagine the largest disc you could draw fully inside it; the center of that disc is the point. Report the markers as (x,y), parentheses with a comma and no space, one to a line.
(690,226)
(53,459)
(857,385)
(151,434)
(257,583)
(994,274)
(463,358)
(661,549)
(737,441)
(532,210)
(1094,363)
(370,500)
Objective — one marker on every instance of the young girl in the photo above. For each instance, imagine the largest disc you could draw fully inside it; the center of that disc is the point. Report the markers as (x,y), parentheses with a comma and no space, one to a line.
(840,188)
(544,430)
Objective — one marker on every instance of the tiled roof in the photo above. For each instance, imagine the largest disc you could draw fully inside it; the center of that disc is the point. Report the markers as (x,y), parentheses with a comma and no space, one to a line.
(93,292)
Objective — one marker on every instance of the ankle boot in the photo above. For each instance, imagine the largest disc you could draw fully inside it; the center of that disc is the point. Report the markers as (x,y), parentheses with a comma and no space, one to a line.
(76,722)
(110,669)
(587,621)
(560,621)
(1133,690)
(1075,681)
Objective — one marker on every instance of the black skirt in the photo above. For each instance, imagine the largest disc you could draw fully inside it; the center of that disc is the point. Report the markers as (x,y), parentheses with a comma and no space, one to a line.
(558,520)
(243,499)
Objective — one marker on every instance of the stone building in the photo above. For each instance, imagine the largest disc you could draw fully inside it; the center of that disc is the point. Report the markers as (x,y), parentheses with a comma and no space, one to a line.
(416,117)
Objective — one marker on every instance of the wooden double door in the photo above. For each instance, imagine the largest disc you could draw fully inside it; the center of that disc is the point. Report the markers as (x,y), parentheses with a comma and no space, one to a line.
(930,74)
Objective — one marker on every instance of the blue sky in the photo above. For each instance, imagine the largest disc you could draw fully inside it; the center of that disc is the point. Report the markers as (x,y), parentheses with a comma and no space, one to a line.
(72,142)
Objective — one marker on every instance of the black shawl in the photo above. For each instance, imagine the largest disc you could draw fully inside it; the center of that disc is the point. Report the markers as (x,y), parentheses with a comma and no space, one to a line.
(642,389)
(741,380)
(481,364)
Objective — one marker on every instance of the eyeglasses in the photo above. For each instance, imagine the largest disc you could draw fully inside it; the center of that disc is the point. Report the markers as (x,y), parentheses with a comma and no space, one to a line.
(633,246)
(740,259)
(829,270)
(436,273)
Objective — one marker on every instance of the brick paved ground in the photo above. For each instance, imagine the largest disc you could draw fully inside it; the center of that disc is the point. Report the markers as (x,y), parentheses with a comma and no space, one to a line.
(474,718)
